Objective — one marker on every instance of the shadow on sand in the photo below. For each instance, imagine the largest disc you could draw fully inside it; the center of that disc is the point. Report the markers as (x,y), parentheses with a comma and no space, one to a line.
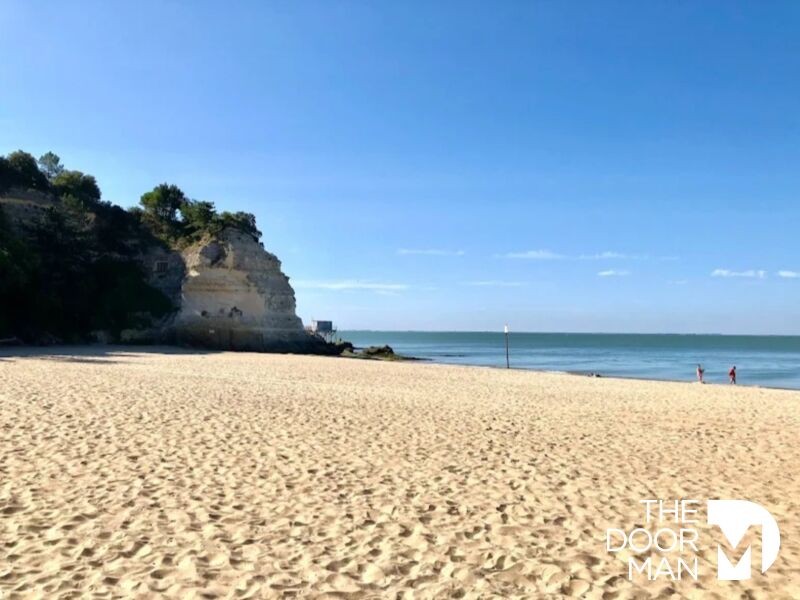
(92,354)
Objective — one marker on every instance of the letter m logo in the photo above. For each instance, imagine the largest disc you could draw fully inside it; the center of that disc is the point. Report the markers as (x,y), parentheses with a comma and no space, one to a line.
(734,518)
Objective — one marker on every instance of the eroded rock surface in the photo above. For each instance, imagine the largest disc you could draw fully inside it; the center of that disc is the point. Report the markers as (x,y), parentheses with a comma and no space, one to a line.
(235,296)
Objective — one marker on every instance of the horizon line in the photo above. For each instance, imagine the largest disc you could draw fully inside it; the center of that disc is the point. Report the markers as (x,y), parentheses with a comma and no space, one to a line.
(512,331)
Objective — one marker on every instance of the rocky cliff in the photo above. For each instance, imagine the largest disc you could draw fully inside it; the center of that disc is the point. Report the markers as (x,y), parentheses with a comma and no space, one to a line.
(235,296)
(76,268)
(226,291)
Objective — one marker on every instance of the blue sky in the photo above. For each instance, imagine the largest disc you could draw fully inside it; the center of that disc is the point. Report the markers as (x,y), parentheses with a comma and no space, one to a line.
(563,166)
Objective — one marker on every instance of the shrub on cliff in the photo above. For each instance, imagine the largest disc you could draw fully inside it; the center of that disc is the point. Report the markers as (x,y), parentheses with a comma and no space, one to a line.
(180,221)
(21,170)
(123,299)
(50,165)
(197,217)
(6,174)
(243,221)
(16,267)
(77,185)
(160,206)
(62,282)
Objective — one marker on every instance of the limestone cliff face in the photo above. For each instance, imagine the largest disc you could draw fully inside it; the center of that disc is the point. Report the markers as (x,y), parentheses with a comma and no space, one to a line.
(235,296)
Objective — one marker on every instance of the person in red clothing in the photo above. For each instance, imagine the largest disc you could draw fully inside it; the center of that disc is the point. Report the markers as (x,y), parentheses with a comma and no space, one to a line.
(700,371)
(732,374)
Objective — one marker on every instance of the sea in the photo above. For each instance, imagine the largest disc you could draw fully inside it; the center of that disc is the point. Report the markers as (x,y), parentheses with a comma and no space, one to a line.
(768,361)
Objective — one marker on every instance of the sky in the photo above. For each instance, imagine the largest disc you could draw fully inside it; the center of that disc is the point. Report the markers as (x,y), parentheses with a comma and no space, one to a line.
(558,166)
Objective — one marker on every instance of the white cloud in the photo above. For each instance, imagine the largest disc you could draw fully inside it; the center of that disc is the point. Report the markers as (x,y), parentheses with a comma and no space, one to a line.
(605,255)
(608,254)
(789,274)
(613,273)
(533,255)
(430,252)
(494,283)
(351,284)
(750,273)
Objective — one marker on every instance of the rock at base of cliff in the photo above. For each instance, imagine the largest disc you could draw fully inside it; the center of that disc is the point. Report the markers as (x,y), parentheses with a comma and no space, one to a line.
(253,340)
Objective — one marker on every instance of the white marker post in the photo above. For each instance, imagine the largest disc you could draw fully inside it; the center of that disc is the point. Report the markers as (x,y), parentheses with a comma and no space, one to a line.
(508,363)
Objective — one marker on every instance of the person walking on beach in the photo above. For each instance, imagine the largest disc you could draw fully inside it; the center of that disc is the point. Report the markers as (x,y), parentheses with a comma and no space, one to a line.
(700,371)
(732,375)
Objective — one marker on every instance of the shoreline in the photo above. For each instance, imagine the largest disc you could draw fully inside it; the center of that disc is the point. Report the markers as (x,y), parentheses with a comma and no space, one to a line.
(595,375)
(7,352)
(586,374)
(764,361)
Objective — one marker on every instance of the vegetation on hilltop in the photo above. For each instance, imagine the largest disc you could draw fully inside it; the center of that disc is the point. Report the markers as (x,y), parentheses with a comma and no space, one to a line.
(76,268)
(170,215)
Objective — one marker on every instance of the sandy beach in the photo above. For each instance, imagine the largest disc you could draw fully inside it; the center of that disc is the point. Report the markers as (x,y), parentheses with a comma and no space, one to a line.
(159,473)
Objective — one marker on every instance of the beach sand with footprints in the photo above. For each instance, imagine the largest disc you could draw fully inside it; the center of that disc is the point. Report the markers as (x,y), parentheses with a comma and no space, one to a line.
(159,473)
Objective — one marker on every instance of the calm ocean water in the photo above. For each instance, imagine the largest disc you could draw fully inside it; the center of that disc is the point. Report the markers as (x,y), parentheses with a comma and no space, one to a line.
(772,361)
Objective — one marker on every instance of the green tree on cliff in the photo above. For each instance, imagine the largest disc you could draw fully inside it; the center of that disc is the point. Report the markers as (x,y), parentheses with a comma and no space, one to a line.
(50,165)
(243,221)
(6,174)
(197,217)
(178,220)
(82,187)
(20,169)
(17,266)
(161,205)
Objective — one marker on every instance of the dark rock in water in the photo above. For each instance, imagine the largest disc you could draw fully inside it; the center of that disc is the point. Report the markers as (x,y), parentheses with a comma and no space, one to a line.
(317,345)
(379,351)
(343,347)
(372,352)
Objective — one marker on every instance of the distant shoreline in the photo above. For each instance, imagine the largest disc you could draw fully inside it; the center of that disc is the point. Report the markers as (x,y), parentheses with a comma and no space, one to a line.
(763,361)
(596,375)
(69,352)
(606,333)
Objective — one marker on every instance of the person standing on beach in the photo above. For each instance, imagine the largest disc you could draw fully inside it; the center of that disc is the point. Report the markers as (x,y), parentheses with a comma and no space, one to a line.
(700,371)
(732,375)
